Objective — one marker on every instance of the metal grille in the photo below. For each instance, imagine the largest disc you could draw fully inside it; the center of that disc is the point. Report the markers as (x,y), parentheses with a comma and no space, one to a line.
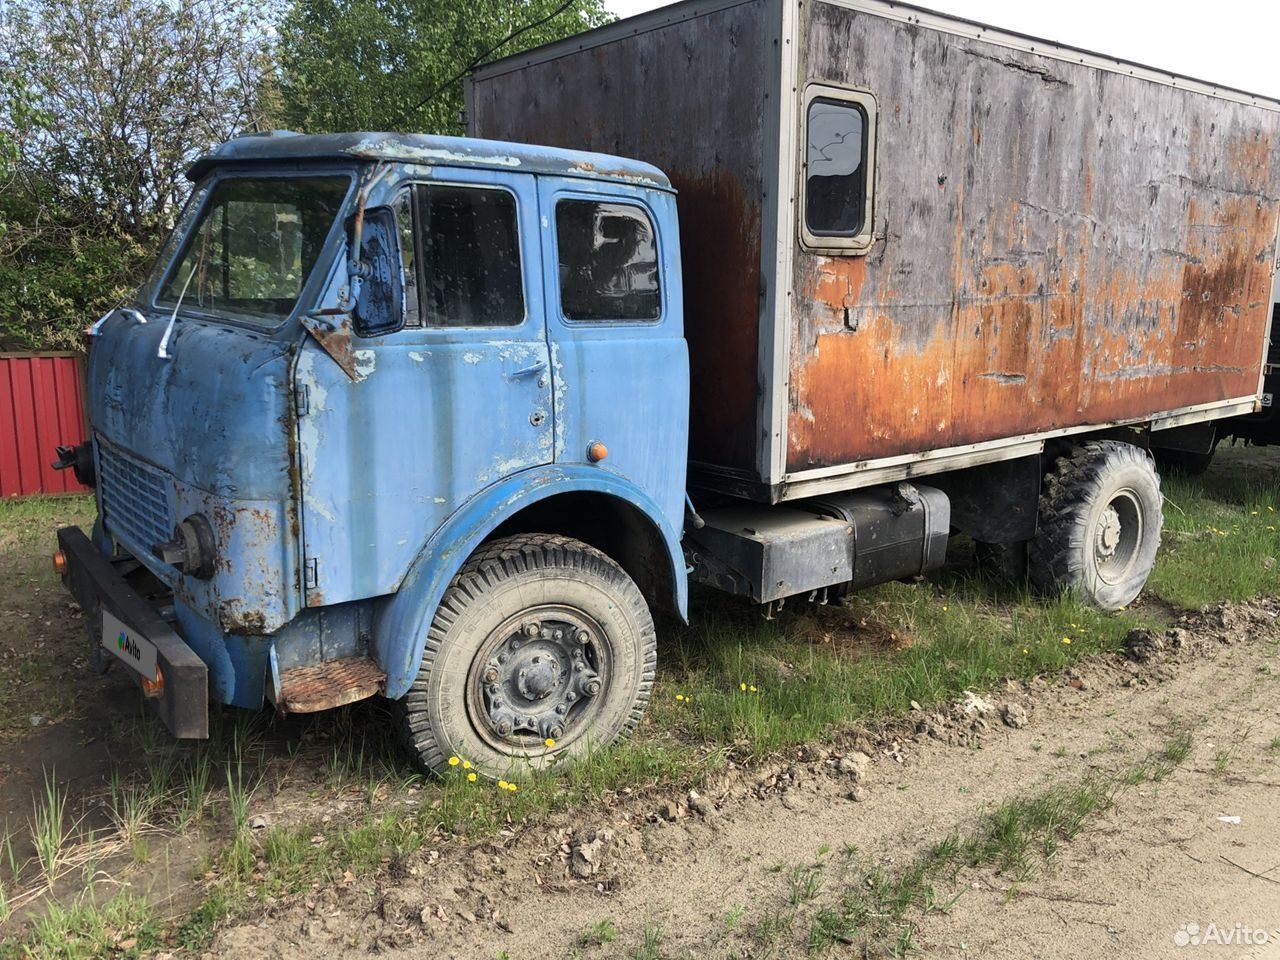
(135,499)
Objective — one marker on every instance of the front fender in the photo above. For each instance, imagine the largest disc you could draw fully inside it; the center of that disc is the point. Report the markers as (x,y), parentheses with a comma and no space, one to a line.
(400,629)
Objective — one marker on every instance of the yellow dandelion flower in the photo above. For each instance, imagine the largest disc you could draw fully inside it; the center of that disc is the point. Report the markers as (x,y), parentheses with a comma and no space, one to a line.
(512,787)
(454,761)
(502,784)
(1253,513)
(1067,641)
(1025,650)
(753,689)
(742,687)
(471,777)
(944,608)
(550,742)
(466,764)
(680,697)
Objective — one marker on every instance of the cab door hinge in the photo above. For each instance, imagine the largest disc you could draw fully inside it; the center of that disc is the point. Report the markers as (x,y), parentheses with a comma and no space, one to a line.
(301,399)
(311,573)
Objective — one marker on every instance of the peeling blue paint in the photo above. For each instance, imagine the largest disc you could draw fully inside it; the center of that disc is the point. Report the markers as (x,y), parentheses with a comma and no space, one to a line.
(343,499)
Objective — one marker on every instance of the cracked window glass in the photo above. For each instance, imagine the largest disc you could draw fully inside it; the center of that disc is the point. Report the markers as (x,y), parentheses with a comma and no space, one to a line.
(836,169)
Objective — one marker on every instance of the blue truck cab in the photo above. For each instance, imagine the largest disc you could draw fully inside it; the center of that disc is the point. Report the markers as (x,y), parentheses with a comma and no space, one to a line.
(396,415)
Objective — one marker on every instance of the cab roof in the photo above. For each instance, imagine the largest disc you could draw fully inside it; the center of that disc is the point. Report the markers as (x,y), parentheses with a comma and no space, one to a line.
(417,148)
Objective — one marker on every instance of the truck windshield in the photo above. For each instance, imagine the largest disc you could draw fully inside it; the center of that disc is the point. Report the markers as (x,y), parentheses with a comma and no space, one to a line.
(250,251)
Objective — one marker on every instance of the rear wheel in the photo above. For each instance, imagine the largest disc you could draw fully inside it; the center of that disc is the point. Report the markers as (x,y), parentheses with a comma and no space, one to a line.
(539,637)
(1100,521)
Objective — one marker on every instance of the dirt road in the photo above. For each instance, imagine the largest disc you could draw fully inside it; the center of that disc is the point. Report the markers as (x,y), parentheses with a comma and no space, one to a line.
(815,854)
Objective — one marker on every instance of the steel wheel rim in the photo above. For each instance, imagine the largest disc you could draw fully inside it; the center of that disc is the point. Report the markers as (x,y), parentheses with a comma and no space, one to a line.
(1117,537)
(515,712)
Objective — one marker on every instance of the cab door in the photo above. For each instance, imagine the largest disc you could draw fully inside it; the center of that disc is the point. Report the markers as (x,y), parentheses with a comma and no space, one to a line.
(456,400)
(615,322)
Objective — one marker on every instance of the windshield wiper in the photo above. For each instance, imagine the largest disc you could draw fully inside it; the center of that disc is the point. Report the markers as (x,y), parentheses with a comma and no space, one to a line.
(163,351)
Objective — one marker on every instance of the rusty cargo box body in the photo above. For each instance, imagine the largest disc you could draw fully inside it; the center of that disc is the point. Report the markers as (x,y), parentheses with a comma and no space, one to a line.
(1058,242)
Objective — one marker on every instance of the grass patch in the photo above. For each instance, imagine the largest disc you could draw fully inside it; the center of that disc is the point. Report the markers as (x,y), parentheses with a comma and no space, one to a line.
(760,686)
(123,927)
(49,829)
(598,934)
(1221,533)
(877,907)
(651,946)
(31,597)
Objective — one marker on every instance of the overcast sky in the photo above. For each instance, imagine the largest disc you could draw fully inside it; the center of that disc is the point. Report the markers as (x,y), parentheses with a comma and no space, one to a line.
(1231,42)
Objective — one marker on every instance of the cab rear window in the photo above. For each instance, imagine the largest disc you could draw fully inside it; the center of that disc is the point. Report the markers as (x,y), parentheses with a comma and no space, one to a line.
(608,262)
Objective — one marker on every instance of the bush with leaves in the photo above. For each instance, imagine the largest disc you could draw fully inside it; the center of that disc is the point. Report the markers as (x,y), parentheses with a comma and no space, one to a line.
(106,103)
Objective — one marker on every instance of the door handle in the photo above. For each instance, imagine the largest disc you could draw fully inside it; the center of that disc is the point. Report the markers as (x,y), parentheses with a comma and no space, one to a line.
(529,371)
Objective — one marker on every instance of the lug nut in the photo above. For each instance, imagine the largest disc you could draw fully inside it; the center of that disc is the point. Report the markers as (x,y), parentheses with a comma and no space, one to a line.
(531,629)
(491,675)
(559,634)
(504,729)
(583,637)
(556,732)
(591,687)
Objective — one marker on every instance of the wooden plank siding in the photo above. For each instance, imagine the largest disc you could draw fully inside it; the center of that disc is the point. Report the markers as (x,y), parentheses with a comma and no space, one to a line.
(41,407)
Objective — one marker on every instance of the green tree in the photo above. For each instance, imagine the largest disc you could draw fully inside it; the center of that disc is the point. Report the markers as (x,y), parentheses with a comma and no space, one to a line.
(396,64)
(105,103)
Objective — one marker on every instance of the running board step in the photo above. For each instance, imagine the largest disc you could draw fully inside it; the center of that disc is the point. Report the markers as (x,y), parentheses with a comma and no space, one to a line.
(328,685)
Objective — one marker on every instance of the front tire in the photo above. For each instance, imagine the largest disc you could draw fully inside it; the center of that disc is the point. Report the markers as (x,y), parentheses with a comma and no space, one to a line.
(1100,521)
(539,637)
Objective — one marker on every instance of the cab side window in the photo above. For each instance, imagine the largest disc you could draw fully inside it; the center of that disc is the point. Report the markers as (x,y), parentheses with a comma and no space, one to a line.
(464,269)
(608,262)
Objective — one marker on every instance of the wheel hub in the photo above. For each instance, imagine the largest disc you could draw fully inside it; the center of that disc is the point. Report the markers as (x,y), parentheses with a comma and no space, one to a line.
(540,676)
(1108,533)
(1118,537)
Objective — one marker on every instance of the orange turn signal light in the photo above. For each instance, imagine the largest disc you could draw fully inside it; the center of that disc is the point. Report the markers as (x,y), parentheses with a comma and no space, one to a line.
(597,452)
(59,562)
(153,688)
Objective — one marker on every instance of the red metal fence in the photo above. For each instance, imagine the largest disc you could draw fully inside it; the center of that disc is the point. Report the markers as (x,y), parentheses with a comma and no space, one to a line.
(41,406)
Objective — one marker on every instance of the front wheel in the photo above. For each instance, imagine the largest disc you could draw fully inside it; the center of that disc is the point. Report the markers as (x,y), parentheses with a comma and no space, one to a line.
(538,638)
(1100,520)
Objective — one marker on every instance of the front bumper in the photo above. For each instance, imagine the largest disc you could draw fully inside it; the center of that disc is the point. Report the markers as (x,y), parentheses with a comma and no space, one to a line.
(180,694)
